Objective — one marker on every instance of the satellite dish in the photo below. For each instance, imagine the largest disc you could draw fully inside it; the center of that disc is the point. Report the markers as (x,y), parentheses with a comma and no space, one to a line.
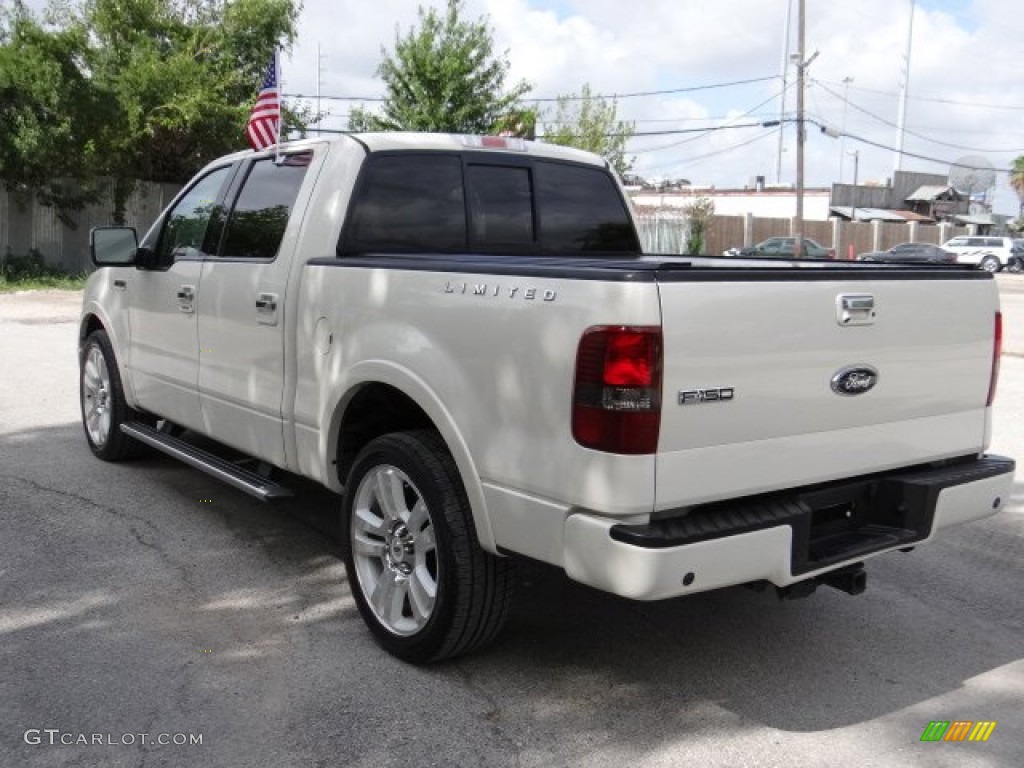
(972,174)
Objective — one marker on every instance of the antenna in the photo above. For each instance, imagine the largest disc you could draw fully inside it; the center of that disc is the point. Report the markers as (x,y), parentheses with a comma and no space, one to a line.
(971,174)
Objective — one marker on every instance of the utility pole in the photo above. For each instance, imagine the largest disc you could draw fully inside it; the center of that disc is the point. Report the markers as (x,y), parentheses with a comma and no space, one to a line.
(842,139)
(901,117)
(785,87)
(319,71)
(856,163)
(798,246)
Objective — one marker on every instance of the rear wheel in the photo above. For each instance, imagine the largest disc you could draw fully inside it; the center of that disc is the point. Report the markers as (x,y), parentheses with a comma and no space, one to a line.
(104,409)
(990,263)
(1016,265)
(421,581)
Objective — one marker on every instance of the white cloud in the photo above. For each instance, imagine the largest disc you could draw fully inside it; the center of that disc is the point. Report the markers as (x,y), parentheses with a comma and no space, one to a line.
(966,52)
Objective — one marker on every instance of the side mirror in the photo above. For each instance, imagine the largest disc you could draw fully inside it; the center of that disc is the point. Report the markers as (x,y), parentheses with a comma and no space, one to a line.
(113,246)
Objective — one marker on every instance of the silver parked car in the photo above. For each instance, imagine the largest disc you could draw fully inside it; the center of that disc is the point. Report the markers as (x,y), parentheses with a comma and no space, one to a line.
(912,252)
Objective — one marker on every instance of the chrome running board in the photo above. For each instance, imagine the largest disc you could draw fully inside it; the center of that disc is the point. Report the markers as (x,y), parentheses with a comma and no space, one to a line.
(237,477)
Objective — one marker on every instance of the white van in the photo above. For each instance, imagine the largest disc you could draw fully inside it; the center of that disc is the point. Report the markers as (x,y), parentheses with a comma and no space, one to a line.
(989,253)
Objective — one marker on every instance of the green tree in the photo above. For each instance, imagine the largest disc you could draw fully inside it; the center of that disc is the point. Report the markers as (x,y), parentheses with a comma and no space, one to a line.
(49,113)
(443,76)
(588,121)
(1017,182)
(699,214)
(137,89)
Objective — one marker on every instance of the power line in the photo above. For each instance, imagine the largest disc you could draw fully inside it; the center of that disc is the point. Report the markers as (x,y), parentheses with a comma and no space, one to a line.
(572,97)
(708,155)
(891,124)
(638,94)
(932,98)
(924,157)
(708,131)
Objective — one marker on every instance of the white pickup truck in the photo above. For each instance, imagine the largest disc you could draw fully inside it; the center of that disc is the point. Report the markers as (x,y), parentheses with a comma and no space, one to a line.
(461,336)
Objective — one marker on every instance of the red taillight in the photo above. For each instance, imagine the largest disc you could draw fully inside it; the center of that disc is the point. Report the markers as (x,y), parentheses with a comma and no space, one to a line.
(617,391)
(997,352)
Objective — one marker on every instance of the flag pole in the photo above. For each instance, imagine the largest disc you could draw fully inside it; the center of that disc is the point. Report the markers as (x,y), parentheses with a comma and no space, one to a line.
(280,101)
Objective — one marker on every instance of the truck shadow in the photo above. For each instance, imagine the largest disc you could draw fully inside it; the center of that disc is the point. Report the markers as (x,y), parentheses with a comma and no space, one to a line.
(267,582)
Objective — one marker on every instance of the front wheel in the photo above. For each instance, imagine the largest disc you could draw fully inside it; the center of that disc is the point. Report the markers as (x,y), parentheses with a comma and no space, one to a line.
(990,264)
(1016,265)
(104,409)
(422,583)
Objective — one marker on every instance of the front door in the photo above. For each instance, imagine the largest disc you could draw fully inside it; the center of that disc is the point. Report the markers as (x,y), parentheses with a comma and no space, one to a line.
(164,348)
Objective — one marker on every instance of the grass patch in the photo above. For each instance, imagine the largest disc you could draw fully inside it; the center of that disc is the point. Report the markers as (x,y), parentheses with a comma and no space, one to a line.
(28,273)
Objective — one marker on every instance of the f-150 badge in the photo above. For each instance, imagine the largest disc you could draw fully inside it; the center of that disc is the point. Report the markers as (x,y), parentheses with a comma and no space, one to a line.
(855,380)
(708,395)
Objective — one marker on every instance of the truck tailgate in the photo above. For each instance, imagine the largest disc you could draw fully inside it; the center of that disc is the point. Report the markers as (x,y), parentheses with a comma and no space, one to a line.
(775,378)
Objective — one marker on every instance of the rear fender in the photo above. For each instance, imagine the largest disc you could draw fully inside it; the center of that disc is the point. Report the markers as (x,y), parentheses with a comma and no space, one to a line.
(412,386)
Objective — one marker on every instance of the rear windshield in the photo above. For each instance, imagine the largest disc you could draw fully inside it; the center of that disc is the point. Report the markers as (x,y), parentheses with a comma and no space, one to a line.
(453,203)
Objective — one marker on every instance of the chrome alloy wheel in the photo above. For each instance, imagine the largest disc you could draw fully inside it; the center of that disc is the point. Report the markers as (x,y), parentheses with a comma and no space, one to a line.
(97,397)
(394,550)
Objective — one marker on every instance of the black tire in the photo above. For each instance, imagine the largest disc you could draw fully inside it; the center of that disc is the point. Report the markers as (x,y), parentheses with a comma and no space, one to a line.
(990,263)
(109,442)
(472,588)
(1016,265)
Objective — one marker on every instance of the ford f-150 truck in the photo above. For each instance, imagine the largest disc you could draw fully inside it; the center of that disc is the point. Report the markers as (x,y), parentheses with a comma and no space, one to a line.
(462,337)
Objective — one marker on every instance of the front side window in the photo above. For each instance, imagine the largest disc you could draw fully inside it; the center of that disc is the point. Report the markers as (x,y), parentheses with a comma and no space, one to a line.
(259,217)
(186,226)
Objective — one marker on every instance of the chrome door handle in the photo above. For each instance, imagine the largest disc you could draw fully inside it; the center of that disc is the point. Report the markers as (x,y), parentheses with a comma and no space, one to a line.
(266,303)
(186,295)
(266,309)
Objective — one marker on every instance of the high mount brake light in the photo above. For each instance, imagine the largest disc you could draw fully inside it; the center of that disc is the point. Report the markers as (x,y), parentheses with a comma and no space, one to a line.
(511,143)
(617,389)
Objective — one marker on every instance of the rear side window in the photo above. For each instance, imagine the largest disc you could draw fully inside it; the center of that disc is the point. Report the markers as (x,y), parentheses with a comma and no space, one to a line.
(257,222)
(581,210)
(433,203)
(410,203)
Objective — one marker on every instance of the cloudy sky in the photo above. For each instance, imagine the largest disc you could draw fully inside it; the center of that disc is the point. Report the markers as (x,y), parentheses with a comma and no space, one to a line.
(966,86)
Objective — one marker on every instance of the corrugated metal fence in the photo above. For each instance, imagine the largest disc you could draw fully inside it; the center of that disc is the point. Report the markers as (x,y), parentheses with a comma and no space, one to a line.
(61,238)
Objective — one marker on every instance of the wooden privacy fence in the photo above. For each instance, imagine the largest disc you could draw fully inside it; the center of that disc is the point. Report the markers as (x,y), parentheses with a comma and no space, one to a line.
(662,232)
(61,237)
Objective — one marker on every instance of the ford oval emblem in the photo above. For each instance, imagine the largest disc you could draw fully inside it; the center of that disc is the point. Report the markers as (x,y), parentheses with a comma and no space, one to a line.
(855,380)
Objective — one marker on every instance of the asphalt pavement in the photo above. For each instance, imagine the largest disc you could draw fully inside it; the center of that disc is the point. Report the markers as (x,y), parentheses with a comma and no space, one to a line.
(145,602)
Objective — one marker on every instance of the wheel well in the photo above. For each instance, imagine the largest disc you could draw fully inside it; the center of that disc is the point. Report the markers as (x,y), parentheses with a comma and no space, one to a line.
(92,323)
(375,410)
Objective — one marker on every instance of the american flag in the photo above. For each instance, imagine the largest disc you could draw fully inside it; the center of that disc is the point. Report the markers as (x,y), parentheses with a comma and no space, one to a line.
(264,126)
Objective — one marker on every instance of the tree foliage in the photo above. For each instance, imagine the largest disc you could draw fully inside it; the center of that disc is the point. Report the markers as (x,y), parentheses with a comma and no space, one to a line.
(130,89)
(1017,181)
(442,76)
(588,121)
(699,215)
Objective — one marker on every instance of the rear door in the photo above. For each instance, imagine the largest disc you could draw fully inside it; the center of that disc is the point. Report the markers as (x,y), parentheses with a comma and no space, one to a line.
(242,319)
(756,365)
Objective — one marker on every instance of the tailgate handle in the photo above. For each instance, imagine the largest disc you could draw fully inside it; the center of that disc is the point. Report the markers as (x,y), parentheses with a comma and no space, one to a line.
(855,309)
